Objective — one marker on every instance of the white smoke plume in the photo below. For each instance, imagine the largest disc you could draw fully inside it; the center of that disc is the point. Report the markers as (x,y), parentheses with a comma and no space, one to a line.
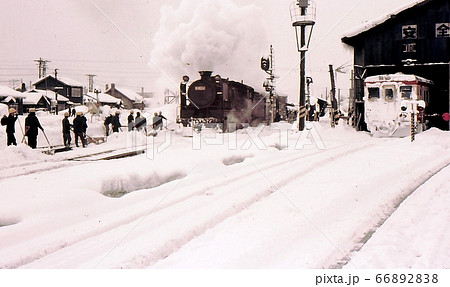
(211,35)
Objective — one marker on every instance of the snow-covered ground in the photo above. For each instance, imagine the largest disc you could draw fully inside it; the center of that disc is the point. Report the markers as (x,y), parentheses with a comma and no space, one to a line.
(266,197)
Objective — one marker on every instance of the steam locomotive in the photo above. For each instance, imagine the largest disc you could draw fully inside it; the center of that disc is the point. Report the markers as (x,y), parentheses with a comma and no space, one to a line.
(213,99)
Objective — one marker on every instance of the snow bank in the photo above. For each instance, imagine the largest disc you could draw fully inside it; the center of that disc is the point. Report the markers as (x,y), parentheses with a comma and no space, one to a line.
(256,198)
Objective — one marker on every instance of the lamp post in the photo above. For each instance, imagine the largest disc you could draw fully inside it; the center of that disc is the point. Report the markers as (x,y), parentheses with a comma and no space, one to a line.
(56,97)
(303,15)
(96,94)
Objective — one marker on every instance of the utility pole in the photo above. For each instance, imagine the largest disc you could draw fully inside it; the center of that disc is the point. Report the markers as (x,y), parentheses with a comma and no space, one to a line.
(42,67)
(91,82)
(334,115)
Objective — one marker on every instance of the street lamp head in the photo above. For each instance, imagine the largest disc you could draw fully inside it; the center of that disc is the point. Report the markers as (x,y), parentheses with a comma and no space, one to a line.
(302,3)
(303,17)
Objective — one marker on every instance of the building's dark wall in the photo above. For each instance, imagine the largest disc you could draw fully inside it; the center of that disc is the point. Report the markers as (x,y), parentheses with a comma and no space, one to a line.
(407,43)
(74,94)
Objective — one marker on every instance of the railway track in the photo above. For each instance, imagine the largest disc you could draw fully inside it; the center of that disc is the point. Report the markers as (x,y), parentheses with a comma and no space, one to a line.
(200,195)
(368,234)
(40,166)
(155,214)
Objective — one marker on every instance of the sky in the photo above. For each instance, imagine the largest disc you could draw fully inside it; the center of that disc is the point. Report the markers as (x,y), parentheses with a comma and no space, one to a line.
(122,41)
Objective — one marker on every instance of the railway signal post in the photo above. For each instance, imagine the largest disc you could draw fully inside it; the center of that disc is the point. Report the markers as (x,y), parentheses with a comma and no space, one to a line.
(303,15)
(267,65)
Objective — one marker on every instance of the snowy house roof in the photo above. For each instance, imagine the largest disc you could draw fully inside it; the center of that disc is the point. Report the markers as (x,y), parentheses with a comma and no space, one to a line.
(8,92)
(67,81)
(130,94)
(51,95)
(380,20)
(103,98)
(32,98)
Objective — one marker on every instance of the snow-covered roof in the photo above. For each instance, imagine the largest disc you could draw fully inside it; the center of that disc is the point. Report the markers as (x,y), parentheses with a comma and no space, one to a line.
(67,81)
(377,21)
(103,98)
(130,94)
(51,95)
(8,99)
(398,77)
(8,92)
(32,98)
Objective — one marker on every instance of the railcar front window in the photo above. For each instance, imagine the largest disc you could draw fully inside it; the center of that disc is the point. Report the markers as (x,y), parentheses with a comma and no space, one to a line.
(406,92)
(374,93)
(388,94)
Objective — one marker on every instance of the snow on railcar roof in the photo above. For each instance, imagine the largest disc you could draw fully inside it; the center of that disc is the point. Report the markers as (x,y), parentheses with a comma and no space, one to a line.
(398,77)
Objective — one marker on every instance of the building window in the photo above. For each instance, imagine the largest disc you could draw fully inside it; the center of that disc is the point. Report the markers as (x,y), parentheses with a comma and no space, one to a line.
(388,94)
(374,93)
(406,92)
(76,93)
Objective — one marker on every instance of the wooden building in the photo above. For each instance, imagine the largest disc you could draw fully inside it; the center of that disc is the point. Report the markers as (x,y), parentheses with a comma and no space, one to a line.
(413,40)
(130,99)
(63,86)
(12,98)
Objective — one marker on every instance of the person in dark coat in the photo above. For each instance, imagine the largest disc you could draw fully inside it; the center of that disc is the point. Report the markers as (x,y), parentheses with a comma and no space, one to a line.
(10,126)
(116,122)
(277,117)
(183,91)
(31,128)
(130,121)
(106,123)
(157,120)
(66,130)
(80,128)
(140,122)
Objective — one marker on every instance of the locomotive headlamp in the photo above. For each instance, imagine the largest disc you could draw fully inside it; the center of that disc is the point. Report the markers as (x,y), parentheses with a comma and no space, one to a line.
(403,108)
(217,78)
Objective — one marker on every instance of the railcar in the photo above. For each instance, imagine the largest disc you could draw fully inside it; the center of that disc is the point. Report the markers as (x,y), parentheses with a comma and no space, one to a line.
(395,104)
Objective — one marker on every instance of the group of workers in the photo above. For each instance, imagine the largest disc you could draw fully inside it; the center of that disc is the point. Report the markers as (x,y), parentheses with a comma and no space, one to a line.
(79,126)
(32,125)
(138,123)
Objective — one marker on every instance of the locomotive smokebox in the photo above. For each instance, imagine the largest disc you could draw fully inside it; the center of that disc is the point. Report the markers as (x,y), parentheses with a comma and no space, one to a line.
(204,75)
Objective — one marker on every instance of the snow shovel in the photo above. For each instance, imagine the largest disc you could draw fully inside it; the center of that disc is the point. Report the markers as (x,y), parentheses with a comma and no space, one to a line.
(50,151)
(23,133)
(20,125)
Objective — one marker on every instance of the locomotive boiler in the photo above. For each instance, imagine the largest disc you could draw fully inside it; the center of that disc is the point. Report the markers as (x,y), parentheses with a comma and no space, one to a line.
(213,99)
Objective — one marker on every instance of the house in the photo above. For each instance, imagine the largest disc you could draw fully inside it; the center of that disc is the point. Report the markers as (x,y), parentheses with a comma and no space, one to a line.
(54,98)
(412,40)
(68,88)
(36,100)
(129,98)
(12,98)
(102,99)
